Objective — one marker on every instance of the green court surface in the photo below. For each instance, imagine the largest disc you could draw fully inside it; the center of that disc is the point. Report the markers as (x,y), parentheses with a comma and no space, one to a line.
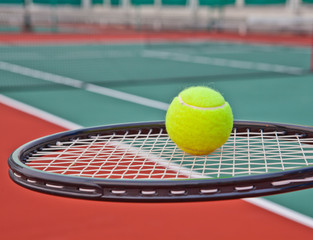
(261,82)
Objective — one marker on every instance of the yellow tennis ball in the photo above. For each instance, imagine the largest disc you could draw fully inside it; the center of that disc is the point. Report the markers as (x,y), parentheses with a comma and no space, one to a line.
(199,120)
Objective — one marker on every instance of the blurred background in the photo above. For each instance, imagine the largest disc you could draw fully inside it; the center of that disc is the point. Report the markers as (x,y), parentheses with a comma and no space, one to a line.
(94,16)
(66,64)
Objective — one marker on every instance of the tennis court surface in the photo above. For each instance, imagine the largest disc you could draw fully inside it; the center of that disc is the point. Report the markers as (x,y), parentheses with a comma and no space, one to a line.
(51,83)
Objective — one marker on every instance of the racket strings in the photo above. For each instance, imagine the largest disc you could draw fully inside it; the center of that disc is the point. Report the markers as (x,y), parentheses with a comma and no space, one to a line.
(152,155)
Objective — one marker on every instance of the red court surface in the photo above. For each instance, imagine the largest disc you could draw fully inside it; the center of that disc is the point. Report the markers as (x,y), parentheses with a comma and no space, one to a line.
(26,214)
(116,36)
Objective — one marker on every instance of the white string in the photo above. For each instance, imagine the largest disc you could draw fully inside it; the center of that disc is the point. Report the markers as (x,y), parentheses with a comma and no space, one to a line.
(302,151)
(96,155)
(80,155)
(136,154)
(248,150)
(152,155)
(161,153)
(279,151)
(149,153)
(112,171)
(58,156)
(264,151)
(234,153)
(122,157)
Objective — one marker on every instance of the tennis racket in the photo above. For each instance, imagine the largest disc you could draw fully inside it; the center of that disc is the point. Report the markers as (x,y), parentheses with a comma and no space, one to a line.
(138,162)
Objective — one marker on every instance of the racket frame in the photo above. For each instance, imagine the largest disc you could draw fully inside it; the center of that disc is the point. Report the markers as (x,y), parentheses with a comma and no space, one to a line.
(138,190)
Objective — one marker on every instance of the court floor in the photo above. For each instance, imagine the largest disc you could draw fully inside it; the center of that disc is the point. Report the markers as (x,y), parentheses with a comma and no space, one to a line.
(50,88)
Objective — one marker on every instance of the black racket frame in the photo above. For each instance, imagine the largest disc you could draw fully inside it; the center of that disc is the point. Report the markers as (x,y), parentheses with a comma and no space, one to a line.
(156,190)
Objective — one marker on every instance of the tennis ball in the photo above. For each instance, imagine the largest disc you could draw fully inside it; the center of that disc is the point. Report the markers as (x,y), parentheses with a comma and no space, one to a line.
(199,120)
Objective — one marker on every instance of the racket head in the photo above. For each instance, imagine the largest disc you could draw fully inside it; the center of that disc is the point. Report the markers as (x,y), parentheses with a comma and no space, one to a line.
(196,187)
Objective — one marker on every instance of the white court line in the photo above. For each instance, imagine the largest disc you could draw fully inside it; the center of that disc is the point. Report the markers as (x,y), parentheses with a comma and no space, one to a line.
(268,47)
(96,54)
(180,57)
(29,72)
(159,160)
(22,56)
(226,48)
(69,56)
(259,49)
(227,51)
(38,113)
(260,202)
(282,211)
